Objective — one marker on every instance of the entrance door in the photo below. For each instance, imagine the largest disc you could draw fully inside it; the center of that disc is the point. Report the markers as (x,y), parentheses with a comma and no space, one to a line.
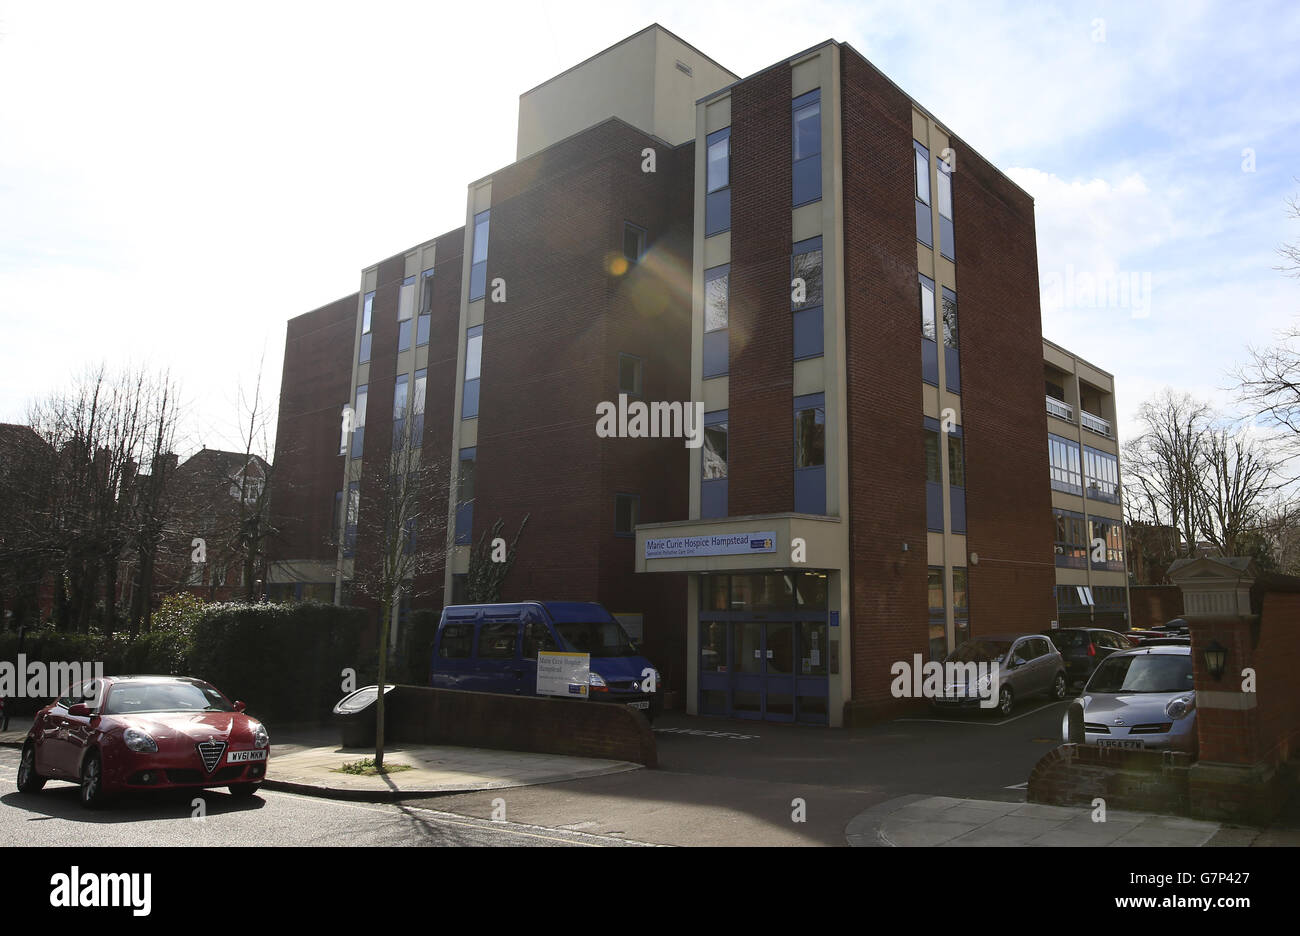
(763,670)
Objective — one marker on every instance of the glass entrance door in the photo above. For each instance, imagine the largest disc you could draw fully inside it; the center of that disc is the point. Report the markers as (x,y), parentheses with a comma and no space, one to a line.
(762,667)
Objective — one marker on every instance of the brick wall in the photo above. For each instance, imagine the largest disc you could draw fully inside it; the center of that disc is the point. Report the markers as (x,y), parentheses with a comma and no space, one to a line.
(314,387)
(1076,774)
(1154,604)
(418,714)
(887,461)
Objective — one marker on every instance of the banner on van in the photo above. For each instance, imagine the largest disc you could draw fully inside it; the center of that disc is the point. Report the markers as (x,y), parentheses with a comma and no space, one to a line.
(718,544)
(563,674)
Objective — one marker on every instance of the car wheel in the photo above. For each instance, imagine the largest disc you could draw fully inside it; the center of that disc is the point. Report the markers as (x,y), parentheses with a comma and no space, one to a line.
(29,781)
(1058,687)
(243,790)
(1006,700)
(92,781)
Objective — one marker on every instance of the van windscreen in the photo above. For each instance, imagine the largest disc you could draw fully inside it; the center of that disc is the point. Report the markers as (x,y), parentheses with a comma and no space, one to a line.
(598,638)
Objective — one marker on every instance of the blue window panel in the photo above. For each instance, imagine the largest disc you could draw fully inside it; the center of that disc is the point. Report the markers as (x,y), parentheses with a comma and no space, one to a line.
(464,523)
(422,330)
(364,356)
(807,177)
(713,498)
(957,501)
(404,335)
(715,353)
(924,230)
(809,400)
(930,361)
(358,441)
(717,212)
(946,243)
(952,368)
(810,490)
(469,403)
(809,335)
(934,506)
(477,280)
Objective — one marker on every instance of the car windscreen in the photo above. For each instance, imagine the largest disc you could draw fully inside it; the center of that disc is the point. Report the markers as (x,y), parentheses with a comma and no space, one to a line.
(137,698)
(980,651)
(1145,672)
(598,638)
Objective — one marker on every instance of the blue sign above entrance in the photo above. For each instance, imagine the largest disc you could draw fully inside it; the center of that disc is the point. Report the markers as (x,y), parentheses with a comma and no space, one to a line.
(719,544)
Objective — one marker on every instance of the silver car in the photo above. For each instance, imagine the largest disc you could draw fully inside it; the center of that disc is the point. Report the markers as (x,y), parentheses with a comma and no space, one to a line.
(1027,665)
(1141,698)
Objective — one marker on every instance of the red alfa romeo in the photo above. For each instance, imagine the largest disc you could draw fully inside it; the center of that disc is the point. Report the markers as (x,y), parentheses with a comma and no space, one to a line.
(144,733)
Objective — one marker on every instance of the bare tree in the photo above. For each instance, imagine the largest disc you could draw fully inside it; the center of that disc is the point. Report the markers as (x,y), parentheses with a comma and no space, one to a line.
(1291,252)
(1239,473)
(399,516)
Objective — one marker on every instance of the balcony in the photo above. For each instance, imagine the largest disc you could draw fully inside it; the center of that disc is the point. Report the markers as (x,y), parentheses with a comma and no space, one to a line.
(1094,423)
(1060,409)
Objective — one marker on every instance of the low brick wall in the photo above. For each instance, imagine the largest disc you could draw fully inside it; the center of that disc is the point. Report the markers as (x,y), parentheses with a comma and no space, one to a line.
(1154,604)
(519,723)
(1147,781)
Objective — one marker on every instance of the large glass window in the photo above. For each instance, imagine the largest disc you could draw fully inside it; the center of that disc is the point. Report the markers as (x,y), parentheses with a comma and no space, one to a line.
(943,180)
(473,366)
(1108,531)
(810,453)
(938,614)
(367,313)
(716,355)
(626,510)
(933,475)
(401,391)
(465,496)
(405,313)
(951,359)
(924,229)
(806,298)
(713,462)
(353,512)
(929,332)
(1070,537)
(417,406)
(1101,471)
(1063,457)
(807,148)
(359,421)
(426,308)
(478,261)
(717,198)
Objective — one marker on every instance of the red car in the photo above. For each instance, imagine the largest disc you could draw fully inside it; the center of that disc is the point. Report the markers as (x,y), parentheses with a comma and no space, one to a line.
(145,733)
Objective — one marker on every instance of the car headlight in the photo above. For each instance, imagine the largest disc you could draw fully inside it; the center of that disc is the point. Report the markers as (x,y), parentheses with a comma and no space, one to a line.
(260,738)
(140,742)
(1180,706)
(595,679)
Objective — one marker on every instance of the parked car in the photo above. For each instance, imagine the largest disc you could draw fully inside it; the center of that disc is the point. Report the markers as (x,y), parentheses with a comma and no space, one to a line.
(146,733)
(494,647)
(1165,642)
(1142,698)
(1028,665)
(1084,647)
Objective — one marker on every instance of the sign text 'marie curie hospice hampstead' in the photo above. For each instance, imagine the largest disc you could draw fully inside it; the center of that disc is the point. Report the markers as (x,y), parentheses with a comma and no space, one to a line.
(720,544)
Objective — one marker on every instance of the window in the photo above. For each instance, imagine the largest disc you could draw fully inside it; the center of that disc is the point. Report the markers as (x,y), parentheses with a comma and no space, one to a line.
(417,406)
(713,466)
(537,636)
(938,614)
(929,333)
(626,508)
(405,310)
(1063,456)
(1101,470)
(806,293)
(473,365)
(933,476)
(717,198)
(426,308)
(457,640)
(359,421)
(924,231)
(807,148)
(633,242)
(716,355)
(459,588)
(943,188)
(629,374)
(1070,539)
(951,360)
(933,467)
(354,509)
(478,259)
(401,390)
(367,310)
(465,496)
(810,453)
(956,464)
(1109,532)
(497,640)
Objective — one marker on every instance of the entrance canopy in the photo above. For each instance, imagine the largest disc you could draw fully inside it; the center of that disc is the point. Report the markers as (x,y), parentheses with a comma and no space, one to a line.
(763,541)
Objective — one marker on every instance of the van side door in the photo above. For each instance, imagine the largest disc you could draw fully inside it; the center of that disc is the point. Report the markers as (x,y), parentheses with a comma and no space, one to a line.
(453,651)
(537,636)
(497,665)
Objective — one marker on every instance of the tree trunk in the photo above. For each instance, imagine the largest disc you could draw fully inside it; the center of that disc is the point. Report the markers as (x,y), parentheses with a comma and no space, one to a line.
(385,612)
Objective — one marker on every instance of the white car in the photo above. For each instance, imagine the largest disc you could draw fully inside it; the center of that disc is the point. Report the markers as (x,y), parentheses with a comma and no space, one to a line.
(1141,698)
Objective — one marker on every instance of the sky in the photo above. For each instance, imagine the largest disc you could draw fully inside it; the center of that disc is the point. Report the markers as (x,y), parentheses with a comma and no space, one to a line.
(178,180)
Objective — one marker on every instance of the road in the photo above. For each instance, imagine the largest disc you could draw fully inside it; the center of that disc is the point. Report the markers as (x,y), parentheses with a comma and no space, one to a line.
(720,782)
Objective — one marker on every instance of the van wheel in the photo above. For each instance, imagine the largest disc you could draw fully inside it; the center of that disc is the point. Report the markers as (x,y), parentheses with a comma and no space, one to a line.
(29,781)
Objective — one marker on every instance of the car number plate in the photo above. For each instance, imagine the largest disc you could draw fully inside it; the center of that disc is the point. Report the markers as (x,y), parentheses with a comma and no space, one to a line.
(1121,743)
(239,757)
(644,704)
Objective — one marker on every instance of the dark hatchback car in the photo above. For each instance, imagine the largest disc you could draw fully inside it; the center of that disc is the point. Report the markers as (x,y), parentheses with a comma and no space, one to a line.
(1085,647)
